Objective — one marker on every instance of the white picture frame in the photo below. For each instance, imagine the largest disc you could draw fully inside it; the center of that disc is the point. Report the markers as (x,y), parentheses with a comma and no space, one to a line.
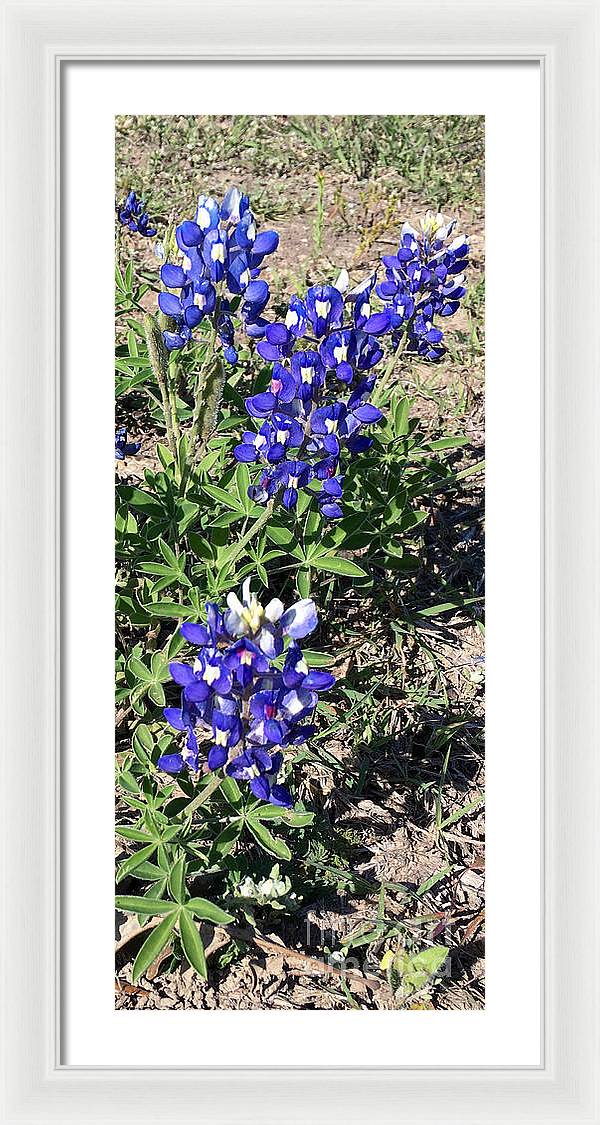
(38,37)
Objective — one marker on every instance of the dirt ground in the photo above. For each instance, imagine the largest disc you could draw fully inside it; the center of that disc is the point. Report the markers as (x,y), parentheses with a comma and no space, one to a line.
(412,829)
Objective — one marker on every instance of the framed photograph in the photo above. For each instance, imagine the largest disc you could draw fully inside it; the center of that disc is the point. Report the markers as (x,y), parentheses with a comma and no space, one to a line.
(309,672)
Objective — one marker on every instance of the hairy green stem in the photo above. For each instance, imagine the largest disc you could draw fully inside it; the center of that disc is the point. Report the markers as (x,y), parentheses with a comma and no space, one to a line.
(172,369)
(204,794)
(159,363)
(200,400)
(254,530)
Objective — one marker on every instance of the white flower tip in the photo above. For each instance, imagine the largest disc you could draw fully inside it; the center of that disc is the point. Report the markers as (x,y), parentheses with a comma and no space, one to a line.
(246,592)
(342,282)
(234,603)
(273,610)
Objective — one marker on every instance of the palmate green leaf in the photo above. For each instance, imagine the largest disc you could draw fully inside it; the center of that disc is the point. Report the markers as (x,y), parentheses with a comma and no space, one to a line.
(148,870)
(208,911)
(200,547)
(160,569)
(271,844)
(165,456)
(188,513)
(125,522)
(153,945)
(334,564)
(138,904)
(168,554)
(192,943)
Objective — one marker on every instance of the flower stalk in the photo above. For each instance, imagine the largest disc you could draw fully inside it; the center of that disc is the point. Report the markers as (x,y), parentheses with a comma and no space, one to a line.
(159,363)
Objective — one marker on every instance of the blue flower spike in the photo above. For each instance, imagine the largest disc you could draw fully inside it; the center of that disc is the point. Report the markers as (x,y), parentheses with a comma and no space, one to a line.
(221,257)
(324,355)
(133,215)
(235,698)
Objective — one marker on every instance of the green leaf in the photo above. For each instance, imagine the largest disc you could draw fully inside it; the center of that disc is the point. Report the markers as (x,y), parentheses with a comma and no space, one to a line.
(303,581)
(135,904)
(462,812)
(153,945)
(431,882)
(431,960)
(134,861)
(285,816)
(136,834)
(224,497)
(226,839)
(208,911)
(165,456)
(242,482)
(146,503)
(169,609)
(156,694)
(168,554)
(317,659)
(333,564)
(231,791)
(448,442)
(401,417)
(139,670)
(270,843)
(142,742)
(192,943)
(146,871)
(177,880)
(443,607)
(281,536)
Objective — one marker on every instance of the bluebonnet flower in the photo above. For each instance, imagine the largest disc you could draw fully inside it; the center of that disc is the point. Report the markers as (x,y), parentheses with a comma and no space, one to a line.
(189,309)
(424,279)
(235,699)
(326,333)
(278,343)
(329,498)
(133,215)
(221,256)
(307,374)
(301,424)
(325,308)
(124,448)
(276,435)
